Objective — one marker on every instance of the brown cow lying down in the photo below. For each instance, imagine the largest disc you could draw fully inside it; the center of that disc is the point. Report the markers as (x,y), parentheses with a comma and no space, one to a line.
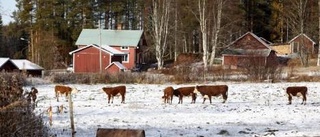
(113,91)
(61,89)
(209,91)
(168,95)
(297,91)
(185,91)
(105,132)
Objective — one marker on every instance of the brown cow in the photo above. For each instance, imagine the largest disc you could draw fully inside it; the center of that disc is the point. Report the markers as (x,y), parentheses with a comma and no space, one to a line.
(209,91)
(168,95)
(106,132)
(297,91)
(61,89)
(113,91)
(185,91)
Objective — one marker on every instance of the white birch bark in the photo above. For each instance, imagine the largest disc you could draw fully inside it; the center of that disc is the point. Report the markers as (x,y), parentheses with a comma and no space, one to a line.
(318,62)
(216,30)
(160,21)
(203,29)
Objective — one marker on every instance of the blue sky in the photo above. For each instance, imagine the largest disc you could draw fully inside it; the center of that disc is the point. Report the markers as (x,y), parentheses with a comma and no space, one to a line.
(6,9)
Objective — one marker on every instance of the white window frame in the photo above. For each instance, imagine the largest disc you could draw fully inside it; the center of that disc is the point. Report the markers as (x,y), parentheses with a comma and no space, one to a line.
(125,58)
(124,48)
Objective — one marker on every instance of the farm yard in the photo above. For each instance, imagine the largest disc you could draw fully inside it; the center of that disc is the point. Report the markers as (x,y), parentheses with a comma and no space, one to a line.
(252,109)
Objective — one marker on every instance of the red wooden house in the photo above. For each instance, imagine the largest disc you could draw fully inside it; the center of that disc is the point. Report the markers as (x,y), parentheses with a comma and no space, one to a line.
(302,43)
(123,47)
(248,49)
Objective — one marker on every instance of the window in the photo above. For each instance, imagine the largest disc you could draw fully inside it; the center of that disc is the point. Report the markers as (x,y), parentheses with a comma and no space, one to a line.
(295,47)
(125,58)
(124,48)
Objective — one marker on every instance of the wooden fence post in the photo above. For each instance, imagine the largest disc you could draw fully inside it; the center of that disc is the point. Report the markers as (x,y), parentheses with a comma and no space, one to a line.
(71,114)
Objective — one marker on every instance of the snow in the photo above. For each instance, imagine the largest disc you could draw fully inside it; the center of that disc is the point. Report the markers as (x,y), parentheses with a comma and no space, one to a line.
(252,109)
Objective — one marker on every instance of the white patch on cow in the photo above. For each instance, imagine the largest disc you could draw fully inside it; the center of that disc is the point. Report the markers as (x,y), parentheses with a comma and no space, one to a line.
(74,90)
(299,94)
(206,96)
(196,91)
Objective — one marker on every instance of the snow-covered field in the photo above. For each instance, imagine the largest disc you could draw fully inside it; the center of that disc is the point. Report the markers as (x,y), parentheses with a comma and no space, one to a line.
(252,109)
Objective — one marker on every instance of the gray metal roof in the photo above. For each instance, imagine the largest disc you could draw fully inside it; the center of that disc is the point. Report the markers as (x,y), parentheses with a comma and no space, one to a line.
(255,36)
(25,64)
(302,34)
(109,37)
(3,61)
(253,52)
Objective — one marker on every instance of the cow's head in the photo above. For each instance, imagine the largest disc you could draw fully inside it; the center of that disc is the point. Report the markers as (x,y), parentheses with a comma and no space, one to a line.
(196,91)
(74,90)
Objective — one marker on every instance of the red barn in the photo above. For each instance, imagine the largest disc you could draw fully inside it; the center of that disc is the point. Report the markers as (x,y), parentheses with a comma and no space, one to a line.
(248,49)
(122,46)
(302,43)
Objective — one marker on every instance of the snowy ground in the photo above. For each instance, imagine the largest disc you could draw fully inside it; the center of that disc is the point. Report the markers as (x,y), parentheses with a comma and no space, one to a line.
(252,109)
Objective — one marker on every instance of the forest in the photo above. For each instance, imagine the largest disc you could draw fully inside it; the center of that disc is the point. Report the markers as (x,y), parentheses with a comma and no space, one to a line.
(45,31)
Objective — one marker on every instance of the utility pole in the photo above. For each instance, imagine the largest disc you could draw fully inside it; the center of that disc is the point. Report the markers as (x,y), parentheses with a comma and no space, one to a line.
(100,60)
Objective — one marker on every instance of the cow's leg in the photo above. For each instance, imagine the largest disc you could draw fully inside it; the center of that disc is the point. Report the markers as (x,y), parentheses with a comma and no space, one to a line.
(180,99)
(67,94)
(289,98)
(109,97)
(304,100)
(112,97)
(171,99)
(57,96)
(204,99)
(122,98)
(194,97)
(225,96)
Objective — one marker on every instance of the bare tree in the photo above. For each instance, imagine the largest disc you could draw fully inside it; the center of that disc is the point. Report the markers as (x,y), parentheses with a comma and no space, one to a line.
(318,62)
(202,17)
(216,29)
(297,15)
(160,20)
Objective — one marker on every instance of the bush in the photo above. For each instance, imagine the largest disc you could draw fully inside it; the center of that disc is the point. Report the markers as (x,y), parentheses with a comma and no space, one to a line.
(16,113)
(122,77)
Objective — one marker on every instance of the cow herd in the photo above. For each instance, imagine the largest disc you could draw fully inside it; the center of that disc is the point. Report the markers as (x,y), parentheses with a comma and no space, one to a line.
(207,91)
(221,90)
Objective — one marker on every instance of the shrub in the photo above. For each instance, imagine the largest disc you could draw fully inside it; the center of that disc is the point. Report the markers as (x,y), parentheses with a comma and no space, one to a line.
(16,113)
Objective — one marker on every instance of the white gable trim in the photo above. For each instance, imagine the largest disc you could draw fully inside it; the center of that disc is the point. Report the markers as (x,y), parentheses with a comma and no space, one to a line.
(118,64)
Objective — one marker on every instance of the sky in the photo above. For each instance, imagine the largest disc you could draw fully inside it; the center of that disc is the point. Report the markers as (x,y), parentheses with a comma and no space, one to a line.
(6,9)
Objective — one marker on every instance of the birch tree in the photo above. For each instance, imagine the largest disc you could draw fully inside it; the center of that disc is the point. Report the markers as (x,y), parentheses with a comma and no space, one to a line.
(202,17)
(160,26)
(216,29)
(318,62)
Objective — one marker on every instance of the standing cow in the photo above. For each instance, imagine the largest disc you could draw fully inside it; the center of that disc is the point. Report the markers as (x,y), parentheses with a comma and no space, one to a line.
(113,91)
(168,95)
(209,91)
(61,89)
(185,91)
(297,91)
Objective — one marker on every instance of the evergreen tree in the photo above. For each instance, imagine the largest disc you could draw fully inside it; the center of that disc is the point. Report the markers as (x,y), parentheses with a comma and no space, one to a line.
(257,15)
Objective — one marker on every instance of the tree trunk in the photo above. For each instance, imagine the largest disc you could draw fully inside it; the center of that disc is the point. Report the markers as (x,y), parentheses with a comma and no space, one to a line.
(203,28)
(318,62)
(216,31)
(160,20)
